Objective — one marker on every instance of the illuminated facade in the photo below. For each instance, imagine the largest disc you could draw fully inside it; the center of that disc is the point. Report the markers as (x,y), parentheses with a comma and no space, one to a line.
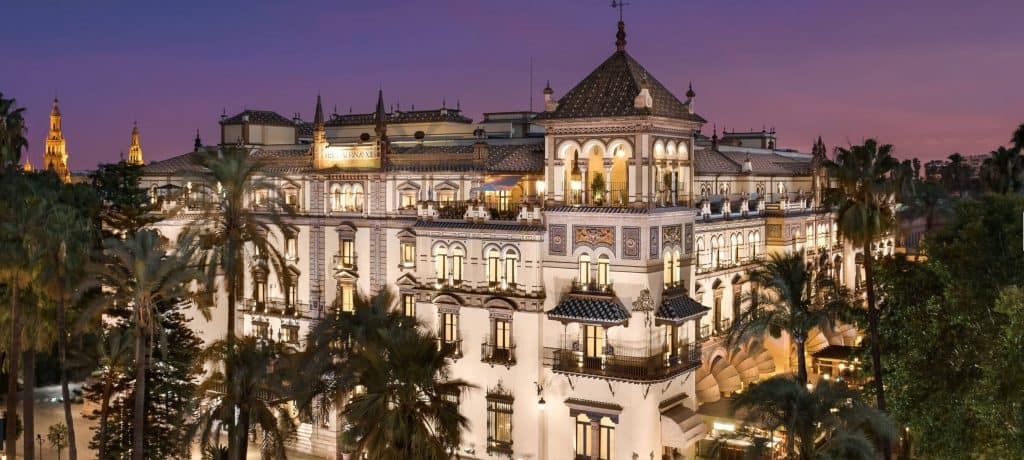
(590,256)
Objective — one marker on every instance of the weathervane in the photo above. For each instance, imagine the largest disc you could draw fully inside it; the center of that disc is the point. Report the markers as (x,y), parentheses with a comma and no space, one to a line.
(619,4)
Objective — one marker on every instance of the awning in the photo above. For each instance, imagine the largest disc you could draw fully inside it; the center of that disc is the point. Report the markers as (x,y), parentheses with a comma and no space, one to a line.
(498,184)
(681,427)
(589,309)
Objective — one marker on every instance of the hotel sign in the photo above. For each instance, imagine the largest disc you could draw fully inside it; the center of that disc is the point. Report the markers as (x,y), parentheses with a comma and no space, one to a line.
(352,156)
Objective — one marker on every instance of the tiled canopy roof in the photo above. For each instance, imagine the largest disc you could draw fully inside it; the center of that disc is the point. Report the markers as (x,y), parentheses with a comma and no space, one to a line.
(259,117)
(609,91)
(729,160)
(589,309)
(679,307)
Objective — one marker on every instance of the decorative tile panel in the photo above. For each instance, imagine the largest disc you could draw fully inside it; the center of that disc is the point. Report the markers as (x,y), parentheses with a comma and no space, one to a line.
(688,238)
(671,235)
(556,239)
(631,242)
(593,236)
(655,233)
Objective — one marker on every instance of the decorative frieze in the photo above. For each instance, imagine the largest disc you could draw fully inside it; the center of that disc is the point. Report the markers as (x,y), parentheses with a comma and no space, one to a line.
(593,236)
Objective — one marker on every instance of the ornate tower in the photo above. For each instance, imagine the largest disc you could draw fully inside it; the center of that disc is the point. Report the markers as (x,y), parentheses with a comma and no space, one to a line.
(319,136)
(135,151)
(381,128)
(819,174)
(55,158)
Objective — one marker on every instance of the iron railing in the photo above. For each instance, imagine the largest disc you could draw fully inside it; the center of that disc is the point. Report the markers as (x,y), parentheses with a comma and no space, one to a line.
(657,365)
(493,354)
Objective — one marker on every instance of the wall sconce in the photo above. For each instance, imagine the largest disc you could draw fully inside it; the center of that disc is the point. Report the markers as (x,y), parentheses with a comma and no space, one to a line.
(541,404)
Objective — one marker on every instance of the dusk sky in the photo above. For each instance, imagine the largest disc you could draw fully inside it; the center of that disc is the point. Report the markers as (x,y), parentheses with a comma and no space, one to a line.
(932,77)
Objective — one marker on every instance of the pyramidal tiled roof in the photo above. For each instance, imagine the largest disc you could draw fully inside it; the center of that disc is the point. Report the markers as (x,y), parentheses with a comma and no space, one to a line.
(259,117)
(589,309)
(609,91)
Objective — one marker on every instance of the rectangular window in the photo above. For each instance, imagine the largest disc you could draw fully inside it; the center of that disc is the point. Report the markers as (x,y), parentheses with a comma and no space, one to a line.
(409,305)
(348,253)
(602,272)
(510,269)
(502,334)
(261,197)
(499,423)
(606,440)
(408,200)
(291,334)
(717,313)
(291,247)
(583,436)
(593,341)
(293,293)
(261,292)
(261,330)
(457,265)
(348,298)
(450,327)
(291,197)
(493,268)
(584,270)
(408,254)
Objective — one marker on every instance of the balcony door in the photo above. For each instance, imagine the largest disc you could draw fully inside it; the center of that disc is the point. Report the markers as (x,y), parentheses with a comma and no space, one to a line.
(593,346)
(502,339)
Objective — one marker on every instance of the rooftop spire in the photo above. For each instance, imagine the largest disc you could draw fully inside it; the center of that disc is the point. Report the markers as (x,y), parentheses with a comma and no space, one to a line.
(135,150)
(620,37)
(198,144)
(318,117)
(379,115)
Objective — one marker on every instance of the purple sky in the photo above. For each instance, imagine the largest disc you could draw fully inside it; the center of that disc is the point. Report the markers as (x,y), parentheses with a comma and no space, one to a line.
(930,76)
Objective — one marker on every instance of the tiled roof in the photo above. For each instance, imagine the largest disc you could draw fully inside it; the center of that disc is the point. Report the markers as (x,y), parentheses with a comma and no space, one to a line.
(305,129)
(609,91)
(589,309)
(415,116)
(283,153)
(515,158)
(172,165)
(679,307)
(463,225)
(259,117)
(729,160)
(501,157)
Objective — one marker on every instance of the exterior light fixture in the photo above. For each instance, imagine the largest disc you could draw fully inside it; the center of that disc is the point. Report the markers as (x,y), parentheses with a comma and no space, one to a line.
(541,403)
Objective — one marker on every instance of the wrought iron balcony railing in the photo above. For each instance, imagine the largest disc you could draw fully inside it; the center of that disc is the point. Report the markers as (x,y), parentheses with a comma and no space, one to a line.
(656,365)
(494,354)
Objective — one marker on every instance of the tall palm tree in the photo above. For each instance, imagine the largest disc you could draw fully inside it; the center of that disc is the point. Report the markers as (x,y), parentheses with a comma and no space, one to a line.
(228,224)
(404,407)
(929,201)
(791,300)
(12,132)
(1018,139)
(864,196)
(829,421)
(144,271)
(1003,171)
(110,362)
(256,392)
(22,211)
(955,173)
(69,234)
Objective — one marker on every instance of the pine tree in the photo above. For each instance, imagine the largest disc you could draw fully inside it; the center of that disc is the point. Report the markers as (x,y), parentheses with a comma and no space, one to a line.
(170,395)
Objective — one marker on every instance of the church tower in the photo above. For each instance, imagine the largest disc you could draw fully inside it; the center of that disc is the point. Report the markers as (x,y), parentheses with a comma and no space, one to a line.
(135,150)
(55,158)
(319,136)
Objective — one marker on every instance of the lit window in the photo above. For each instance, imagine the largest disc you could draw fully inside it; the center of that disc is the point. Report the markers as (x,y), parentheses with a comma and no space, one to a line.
(583,436)
(584,274)
(348,256)
(291,246)
(606,439)
(449,327)
(457,258)
(336,198)
(593,341)
(502,334)
(511,258)
(493,267)
(290,334)
(668,270)
(408,254)
(446,196)
(602,271)
(261,329)
(441,263)
(409,305)
(408,200)
(357,198)
(499,422)
(261,197)
(677,268)
(260,293)
(348,298)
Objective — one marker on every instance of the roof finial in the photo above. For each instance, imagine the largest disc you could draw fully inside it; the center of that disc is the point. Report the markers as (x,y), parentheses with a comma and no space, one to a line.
(620,36)
(690,94)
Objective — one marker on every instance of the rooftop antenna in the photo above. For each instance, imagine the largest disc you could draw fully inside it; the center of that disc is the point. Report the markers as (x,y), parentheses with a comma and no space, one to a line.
(619,4)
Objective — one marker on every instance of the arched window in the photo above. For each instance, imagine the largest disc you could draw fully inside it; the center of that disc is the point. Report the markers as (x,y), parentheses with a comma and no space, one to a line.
(606,439)
(602,270)
(584,275)
(458,255)
(346,197)
(669,268)
(677,268)
(511,260)
(336,198)
(357,197)
(715,248)
(701,257)
(755,241)
(584,447)
(493,267)
(737,245)
(441,263)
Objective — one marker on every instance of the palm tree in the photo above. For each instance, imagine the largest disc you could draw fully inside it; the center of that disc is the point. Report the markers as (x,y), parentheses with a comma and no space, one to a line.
(829,421)
(228,224)
(864,196)
(143,273)
(69,237)
(256,392)
(955,173)
(1018,139)
(22,213)
(403,407)
(12,133)
(110,361)
(930,201)
(796,303)
(1003,171)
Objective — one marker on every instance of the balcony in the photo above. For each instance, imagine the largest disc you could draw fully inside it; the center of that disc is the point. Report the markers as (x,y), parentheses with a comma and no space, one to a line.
(656,365)
(452,347)
(493,354)
(500,448)
(345,262)
(279,307)
(591,287)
